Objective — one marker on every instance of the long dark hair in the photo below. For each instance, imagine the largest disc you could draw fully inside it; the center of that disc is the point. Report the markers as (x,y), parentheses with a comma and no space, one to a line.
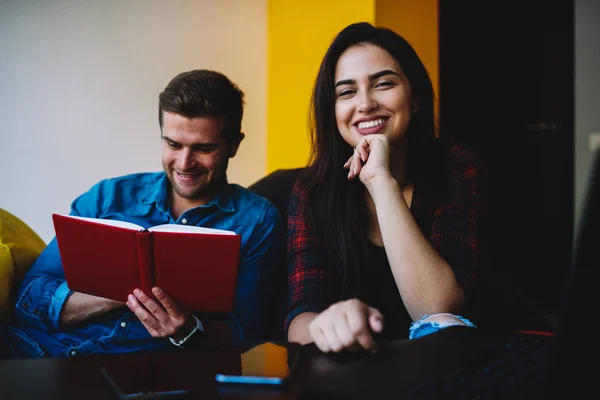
(335,206)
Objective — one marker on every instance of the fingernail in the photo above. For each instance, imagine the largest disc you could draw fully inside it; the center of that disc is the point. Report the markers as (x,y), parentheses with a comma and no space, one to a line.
(137,292)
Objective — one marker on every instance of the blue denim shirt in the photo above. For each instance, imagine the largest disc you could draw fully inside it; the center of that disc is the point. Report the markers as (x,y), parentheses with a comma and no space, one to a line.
(142,199)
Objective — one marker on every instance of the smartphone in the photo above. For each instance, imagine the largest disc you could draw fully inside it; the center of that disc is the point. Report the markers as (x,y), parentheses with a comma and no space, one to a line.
(117,393)
(267,364)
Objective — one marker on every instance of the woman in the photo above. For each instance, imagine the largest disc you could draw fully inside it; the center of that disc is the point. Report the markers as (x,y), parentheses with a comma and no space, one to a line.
(382,229)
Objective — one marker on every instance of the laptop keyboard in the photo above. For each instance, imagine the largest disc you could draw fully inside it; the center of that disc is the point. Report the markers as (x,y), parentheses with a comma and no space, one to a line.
(519,371)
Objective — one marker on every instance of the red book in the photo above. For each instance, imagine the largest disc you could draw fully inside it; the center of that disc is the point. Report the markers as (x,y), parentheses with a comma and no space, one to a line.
(196,266)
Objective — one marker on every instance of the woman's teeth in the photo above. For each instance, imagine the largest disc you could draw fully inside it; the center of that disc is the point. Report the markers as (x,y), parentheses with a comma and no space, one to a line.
(370,124)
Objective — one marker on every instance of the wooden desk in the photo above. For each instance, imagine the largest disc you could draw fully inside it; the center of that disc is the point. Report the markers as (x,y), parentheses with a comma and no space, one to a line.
(80,377)
(398,367)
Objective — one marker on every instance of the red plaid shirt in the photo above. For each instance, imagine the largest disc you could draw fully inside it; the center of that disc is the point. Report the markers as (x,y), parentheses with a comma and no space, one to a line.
(450,224)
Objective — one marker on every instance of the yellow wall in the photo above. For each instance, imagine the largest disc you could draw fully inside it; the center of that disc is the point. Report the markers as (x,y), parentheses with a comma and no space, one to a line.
(298,35)
(417,22)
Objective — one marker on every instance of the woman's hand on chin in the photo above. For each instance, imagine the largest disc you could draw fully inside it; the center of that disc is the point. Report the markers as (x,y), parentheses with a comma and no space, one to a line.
(371,158)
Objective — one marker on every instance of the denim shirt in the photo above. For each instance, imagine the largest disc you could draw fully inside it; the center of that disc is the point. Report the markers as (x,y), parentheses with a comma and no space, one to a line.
(142,199)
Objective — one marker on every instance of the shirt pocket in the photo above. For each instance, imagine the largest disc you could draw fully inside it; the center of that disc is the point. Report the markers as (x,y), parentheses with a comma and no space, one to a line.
(32,305)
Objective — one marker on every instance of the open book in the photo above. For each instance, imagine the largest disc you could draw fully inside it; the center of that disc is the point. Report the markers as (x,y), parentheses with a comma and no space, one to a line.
(196,266)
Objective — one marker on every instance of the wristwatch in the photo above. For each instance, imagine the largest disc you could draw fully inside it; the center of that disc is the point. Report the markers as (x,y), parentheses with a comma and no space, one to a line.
(197,328)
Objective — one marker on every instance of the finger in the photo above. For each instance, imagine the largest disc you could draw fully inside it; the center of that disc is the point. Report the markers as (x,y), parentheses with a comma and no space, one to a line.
(156,309)
(167,302)
(363,154)
(351,163)
(332,338)
(151,331)
(366,341)
(348,166)
(357,165)
(342,329)
(134,305)
(358,153)
(351,173)
(375,320)
(347,163)
(360,330)
(142,314)
(318,337)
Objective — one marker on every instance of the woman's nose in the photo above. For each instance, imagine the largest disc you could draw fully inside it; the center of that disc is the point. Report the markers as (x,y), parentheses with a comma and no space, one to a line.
(366,102)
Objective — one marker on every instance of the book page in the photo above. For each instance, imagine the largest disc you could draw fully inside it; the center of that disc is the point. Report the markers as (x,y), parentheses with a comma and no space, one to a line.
(189,229)
(111,222)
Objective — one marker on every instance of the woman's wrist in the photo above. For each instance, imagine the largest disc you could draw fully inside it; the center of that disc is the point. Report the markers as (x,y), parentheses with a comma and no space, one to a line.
(380,185)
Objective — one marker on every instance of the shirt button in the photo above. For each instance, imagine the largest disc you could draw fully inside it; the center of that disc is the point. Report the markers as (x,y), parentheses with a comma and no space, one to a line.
(184,221)
(73,352)
(123,324)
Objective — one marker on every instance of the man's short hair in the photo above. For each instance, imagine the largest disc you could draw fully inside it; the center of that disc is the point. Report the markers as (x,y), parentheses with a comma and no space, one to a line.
(204,93)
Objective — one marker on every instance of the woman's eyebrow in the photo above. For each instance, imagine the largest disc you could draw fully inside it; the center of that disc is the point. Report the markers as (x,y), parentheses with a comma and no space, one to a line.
(344,82)
(372,77)
(382,73)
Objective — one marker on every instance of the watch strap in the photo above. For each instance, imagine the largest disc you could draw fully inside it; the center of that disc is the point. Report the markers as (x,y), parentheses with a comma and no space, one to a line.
(198,328)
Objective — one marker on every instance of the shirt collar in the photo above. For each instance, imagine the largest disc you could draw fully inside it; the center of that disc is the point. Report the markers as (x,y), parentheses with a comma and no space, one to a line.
(223,199)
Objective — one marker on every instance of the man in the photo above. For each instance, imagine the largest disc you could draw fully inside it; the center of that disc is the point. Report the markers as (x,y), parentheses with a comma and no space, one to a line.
(200,114)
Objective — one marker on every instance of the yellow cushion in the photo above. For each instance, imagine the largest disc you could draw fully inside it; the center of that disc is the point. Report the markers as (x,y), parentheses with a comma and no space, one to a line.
(19,247)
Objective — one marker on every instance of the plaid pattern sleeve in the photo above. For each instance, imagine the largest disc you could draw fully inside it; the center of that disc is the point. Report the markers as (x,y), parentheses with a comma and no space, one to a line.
(308,279)
(454,232)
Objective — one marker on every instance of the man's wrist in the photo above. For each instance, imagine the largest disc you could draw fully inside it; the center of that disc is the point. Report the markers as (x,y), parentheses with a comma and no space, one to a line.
(186,329)
(179,341)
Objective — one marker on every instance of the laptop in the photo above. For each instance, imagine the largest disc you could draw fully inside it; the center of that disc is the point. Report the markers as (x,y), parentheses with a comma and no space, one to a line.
(462,362)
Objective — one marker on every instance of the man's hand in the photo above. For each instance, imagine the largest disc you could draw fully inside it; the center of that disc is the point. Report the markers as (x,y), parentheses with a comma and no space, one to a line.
(162,319)
(346,325)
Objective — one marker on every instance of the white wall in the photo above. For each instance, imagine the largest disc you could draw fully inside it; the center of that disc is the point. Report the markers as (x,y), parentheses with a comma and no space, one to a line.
(79,84)
(587,92)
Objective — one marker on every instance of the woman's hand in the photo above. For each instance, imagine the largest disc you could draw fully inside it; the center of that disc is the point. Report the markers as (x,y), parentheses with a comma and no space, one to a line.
(371,158)
(163,318)
(346,325)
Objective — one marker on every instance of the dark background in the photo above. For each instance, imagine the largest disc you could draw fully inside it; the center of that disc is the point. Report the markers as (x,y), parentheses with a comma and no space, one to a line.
(507,87)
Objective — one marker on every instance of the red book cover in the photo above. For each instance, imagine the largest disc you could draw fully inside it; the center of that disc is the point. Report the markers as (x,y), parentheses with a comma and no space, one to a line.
(196,266)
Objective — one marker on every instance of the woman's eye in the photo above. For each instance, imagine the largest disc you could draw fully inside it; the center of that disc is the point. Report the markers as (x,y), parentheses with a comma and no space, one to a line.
(345,92)
(384,84)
